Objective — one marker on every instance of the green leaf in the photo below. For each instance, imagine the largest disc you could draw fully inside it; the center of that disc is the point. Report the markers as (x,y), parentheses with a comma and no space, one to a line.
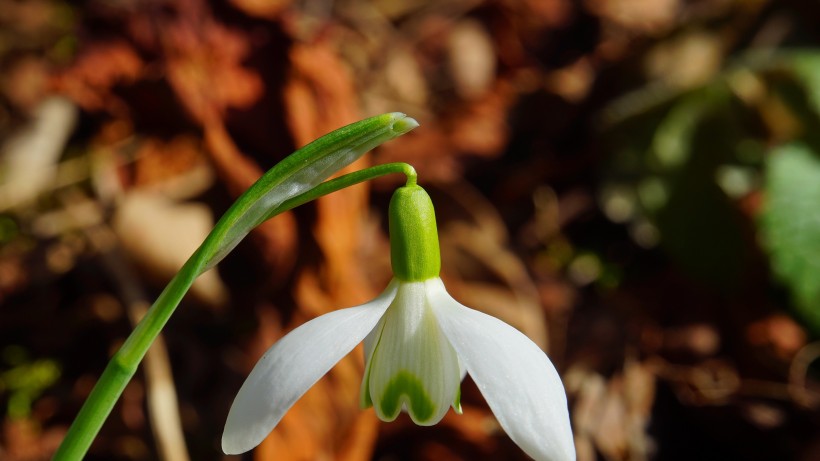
(806,67)
(790,224)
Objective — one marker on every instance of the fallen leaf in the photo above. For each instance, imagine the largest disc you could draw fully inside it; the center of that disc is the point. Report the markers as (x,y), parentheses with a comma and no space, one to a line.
(160,235)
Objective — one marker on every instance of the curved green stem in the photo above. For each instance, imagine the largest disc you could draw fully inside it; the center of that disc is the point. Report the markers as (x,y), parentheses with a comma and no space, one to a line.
(347,180)
(124,363)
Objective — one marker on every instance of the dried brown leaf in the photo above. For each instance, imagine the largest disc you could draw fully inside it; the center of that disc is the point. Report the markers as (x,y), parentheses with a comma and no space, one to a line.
(779,332)
(471,58)
(204,68)
(99,67)
(652,17)
(265,9)
(160,235)
(24,83)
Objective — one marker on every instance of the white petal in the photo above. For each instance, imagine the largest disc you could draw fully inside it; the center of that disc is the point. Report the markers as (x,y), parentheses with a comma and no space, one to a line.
(294,364)
(515,376)
(412,366)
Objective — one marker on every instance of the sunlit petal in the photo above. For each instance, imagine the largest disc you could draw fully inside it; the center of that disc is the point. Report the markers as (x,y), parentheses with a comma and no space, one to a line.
(413,366)
(519,382)
(292,365)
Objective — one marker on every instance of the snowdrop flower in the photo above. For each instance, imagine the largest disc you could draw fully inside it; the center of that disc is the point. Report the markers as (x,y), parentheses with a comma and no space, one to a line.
(419,343)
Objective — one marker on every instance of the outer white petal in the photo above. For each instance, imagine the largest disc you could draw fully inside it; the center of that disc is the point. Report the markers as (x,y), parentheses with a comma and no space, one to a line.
(515,376)
(294,364)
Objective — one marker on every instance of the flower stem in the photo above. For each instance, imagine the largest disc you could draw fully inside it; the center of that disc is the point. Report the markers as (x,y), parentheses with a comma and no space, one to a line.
(347,180)
(123,365)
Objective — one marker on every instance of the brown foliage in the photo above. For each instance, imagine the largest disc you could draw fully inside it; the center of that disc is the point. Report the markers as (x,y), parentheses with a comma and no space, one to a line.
(192,100)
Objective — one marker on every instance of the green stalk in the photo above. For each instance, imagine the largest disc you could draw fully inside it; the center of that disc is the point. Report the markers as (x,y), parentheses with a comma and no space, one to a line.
(281,189)
(350,179)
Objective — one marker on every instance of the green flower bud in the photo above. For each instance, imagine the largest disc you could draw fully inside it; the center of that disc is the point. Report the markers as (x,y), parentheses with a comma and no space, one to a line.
(414,250)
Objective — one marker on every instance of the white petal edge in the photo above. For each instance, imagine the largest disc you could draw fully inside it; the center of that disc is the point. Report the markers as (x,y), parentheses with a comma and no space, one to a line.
(514,375)
(294,364)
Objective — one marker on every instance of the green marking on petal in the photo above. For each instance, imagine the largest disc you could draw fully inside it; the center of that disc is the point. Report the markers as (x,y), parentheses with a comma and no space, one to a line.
(366,401)
(457,401)
(404,387)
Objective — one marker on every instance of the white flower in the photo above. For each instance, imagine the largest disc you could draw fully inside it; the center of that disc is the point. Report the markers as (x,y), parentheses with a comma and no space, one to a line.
(419,342)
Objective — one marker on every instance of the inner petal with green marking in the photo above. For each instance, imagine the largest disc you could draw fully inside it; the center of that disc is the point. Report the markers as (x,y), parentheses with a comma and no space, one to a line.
(411,366)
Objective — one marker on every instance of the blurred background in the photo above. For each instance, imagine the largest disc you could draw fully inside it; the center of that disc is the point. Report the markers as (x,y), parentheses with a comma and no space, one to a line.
(635,184)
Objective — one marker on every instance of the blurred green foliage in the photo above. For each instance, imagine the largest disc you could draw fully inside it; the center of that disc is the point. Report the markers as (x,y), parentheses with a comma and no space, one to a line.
(790,224)
(684,169)
(24,380)
(8,229)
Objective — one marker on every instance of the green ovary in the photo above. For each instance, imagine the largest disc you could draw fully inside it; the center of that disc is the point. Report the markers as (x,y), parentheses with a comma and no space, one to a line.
(407,388)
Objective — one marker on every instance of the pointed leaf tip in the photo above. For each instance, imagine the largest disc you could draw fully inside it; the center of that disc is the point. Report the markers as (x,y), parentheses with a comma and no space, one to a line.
(402,123)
